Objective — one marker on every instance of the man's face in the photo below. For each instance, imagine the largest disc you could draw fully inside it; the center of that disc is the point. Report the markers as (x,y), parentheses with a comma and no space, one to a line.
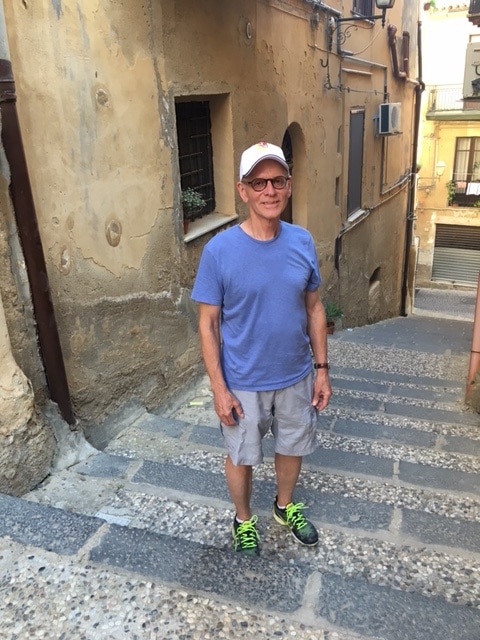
(269,203)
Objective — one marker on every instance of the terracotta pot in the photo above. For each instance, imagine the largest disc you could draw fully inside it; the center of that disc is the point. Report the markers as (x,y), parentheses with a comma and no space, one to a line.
(330,328)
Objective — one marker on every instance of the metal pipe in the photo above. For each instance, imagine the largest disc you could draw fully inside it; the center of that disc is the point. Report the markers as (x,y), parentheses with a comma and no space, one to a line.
(475,351)
(26,218)
(419,88)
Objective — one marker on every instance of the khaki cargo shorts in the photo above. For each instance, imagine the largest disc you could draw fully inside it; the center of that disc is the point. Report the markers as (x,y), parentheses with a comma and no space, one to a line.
(287,413)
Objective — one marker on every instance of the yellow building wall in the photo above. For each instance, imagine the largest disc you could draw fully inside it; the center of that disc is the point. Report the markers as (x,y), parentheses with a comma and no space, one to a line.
(446,33)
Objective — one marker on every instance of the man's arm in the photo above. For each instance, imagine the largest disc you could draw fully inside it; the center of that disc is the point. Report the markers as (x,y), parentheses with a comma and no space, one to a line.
(210,341)
(317,332)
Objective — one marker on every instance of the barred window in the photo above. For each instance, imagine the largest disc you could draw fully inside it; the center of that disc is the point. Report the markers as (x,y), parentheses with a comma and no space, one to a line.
(195,152)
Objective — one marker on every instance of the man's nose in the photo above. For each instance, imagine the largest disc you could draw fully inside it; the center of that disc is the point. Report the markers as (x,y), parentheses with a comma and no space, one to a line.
(270,189)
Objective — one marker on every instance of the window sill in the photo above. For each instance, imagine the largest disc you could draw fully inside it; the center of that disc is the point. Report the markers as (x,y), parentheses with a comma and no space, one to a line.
(356,215)
(210,222)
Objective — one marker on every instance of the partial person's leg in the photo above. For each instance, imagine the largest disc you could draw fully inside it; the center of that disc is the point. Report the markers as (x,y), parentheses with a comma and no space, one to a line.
(294,428)
(244,447)
(287,469)
(239,482)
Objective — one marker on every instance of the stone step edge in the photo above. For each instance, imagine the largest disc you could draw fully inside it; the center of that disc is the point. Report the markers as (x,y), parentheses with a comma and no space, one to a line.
(352,604)
(372,375)
(264,514)
(399,473)
(367,466)
(364,432)
(209,435)
(328,509)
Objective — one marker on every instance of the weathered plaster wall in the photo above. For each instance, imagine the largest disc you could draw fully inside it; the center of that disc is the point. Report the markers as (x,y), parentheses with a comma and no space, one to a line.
(97,110)
(27,445)
(98,137)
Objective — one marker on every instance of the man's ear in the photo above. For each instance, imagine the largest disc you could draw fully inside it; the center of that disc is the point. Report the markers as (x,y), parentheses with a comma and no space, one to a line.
(242,191)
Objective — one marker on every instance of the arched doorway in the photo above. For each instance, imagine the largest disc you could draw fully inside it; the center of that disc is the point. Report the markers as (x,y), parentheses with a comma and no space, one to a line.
(293,146)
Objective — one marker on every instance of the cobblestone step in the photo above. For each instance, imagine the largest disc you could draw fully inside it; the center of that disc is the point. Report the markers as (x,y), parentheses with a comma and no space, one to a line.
(333,584)
(393,488)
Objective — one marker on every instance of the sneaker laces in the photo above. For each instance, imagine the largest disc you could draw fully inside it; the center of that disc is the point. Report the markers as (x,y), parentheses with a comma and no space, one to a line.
(295,517)
(246,534)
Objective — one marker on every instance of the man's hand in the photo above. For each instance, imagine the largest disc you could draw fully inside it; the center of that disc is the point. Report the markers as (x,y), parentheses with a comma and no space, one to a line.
(322,391)
(227,407)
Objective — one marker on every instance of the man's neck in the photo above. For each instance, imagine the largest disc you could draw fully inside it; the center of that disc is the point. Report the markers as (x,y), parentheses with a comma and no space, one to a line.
(263,230)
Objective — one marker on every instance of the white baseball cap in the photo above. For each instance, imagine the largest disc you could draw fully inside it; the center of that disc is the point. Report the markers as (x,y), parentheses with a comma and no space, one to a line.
(258,152)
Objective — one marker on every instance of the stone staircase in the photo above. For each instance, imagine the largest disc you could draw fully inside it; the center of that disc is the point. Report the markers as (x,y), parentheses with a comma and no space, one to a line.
(394,489)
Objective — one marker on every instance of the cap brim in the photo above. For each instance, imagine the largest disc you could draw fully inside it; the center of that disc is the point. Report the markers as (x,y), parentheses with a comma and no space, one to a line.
(267,157)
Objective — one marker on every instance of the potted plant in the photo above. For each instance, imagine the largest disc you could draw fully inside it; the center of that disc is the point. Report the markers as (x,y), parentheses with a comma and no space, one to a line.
(452,191)
(192,203)
(333,313)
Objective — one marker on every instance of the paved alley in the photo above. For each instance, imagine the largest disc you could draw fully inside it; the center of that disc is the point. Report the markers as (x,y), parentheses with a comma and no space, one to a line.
(134,542)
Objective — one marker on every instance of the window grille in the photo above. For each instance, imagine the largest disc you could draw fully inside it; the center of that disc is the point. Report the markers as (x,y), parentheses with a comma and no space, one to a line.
(195,152)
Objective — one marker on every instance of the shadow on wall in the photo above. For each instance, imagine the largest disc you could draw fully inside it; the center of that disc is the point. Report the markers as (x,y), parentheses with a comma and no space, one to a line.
(375,297)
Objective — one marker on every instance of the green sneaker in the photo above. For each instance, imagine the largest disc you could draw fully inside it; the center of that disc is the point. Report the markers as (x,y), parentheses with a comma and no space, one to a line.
(292,517)
(245,537)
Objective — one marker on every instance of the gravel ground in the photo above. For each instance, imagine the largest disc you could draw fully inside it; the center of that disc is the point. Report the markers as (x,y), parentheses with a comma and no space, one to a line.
(425,571)
(442,504)
(44,596)
(47,596)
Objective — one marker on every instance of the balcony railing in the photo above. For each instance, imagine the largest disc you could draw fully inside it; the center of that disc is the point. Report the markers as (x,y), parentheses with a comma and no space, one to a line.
(445,97)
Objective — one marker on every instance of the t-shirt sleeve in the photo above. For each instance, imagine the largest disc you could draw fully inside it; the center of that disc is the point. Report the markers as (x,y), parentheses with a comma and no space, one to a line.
(315,278)
(208,287)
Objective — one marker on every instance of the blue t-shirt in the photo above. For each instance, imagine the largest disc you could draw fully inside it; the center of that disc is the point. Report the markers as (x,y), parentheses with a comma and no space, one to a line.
(260,287)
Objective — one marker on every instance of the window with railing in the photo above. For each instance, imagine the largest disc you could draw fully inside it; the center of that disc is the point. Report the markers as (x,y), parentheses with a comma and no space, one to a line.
(466,172)
(447,97)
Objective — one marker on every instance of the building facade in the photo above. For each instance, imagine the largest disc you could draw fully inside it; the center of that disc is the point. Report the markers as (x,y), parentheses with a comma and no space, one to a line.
(125,109)
(448,201)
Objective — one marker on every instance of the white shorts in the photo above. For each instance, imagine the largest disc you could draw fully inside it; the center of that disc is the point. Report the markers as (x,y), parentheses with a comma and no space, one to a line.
(288,413)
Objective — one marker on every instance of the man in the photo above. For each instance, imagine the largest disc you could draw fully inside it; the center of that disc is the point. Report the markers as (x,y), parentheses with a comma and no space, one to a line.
(259,314)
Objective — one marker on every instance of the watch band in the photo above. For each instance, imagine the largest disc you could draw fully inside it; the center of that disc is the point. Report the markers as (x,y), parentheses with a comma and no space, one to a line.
(321,365)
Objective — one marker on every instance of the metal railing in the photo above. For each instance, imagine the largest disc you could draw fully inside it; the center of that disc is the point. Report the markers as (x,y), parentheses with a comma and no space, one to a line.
(446,97)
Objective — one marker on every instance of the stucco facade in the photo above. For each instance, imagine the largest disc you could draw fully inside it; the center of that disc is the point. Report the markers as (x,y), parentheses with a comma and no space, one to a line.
(97,87)
(27,442)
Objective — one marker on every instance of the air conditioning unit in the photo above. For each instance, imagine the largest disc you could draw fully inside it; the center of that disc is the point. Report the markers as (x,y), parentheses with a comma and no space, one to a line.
(389,118)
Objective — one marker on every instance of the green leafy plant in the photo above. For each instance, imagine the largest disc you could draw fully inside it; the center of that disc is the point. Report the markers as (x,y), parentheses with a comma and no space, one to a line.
(452,191)
(333,312)
(477,204)
(192,202)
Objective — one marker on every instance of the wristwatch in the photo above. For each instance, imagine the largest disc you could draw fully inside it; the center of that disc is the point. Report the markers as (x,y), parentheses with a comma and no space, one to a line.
(321,365)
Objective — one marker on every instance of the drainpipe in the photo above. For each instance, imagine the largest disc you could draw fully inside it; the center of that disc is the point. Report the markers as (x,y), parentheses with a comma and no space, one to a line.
(419,88)
(24,209)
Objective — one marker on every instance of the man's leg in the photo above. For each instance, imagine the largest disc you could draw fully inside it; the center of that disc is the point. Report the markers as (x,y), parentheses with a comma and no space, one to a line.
(245,535)
(239,482)
(287,469)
